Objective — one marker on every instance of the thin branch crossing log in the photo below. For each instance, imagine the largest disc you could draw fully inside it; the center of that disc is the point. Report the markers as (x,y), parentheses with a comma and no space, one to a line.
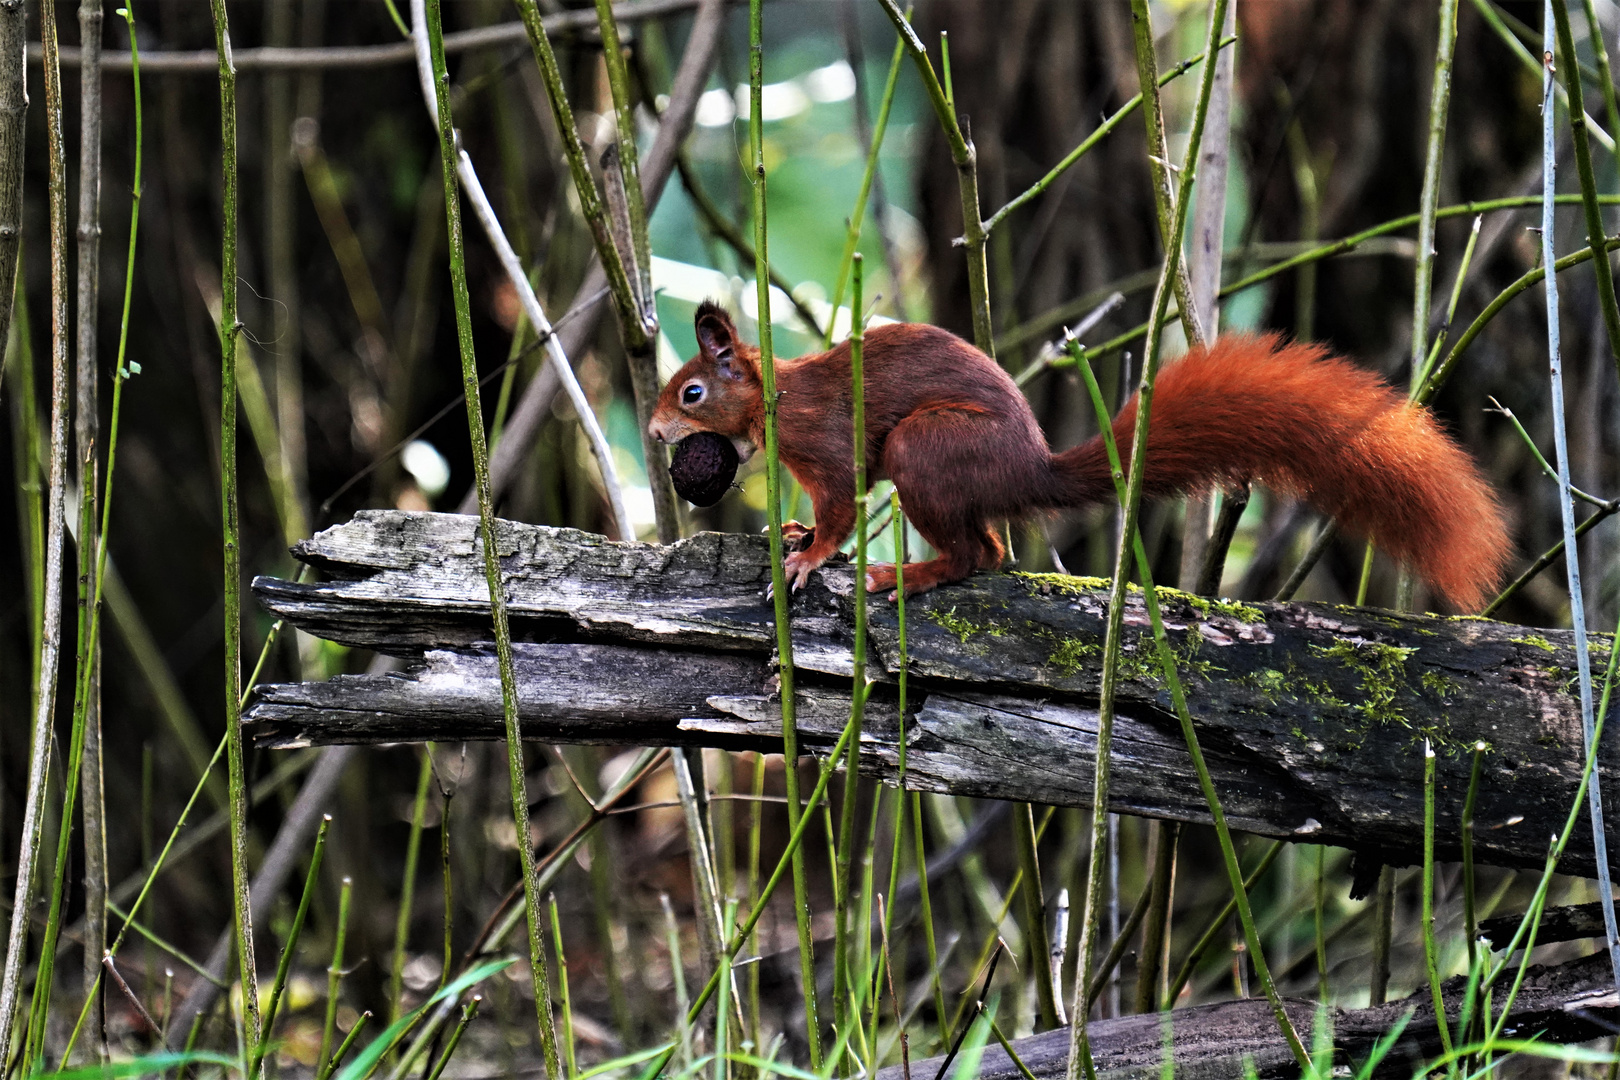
(1312,716)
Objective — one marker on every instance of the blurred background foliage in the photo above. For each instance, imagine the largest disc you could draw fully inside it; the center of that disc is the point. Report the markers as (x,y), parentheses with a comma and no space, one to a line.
(345,300)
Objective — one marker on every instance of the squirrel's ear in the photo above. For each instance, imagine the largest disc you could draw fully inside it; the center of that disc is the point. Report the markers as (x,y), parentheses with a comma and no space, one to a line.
(717,337)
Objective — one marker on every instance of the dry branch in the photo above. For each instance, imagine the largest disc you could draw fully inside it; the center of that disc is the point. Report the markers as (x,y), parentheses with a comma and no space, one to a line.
(1313,716)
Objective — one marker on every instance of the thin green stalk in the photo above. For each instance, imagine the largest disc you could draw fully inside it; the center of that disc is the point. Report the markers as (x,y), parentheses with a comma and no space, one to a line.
(539,975)
(229,327)
(1164,190)
(291,944)
(1451,305)
(334,976)
(1321,936)
(146,887)
(857,698)
(1605,78)
(407,888)
(449,886)
(1350,243)
(1548,557)
(624,116)
(1118,117)
(1470,912)
(468,1012)
(795,841)
(1215,925)
(857,216)
(965,158)
(1156,934)
(563,997)
(348,1041)
(1130,498)
(1431,951)
(1036,948)
(773,510)
(1533,64)
(1178,699)
(1429,199)
(677,968)
(1583,166)
(722,1012)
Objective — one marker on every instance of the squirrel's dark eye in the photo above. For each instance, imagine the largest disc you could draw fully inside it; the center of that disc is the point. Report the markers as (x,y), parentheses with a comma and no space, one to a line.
(692,394)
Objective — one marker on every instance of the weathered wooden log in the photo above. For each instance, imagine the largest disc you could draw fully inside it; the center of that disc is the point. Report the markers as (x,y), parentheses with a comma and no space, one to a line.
(1568,1003)
(1313,716)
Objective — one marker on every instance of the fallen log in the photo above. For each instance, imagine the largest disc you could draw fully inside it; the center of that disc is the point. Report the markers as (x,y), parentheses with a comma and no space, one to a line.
(1571,1002)
(1313,716)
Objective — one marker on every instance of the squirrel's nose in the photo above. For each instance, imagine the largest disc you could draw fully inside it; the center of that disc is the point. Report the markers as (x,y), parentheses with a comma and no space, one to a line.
(658,431)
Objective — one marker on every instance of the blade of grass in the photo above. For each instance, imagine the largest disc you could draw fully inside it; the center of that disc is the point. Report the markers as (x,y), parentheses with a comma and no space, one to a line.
(334,976)
(291,944)
(407,888)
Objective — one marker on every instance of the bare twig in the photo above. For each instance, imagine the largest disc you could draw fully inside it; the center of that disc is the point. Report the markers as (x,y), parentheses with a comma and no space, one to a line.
(13,101)
(203,61)
(85,427)
(557,359)
(523,426)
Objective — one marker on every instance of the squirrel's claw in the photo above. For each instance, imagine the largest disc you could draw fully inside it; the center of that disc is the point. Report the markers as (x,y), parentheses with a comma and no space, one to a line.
(797,537)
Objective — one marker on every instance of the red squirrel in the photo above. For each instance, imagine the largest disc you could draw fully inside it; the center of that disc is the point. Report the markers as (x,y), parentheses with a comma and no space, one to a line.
(953,432)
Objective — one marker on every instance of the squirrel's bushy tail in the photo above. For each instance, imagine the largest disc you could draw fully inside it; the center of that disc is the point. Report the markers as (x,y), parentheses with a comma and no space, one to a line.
(1321,429)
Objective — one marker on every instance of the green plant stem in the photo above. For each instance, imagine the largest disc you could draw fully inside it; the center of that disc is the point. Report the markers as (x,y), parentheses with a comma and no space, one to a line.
(722,226)
(1130,499)
(229,327)
(1167,660)
(1470,912)
(773,511)
(1215,925)
(348,1041)
(1605,78)
(1036,946)
(1114,120)
(1431,951)
(1583,166)
(795,841)
(468,1012)
(1548,557)
(965,158)
(1429,199)
(334,977)
(638,319)
(1321,935)
(1164,193)
(291,944)
(844,878)
(539,975)
(857,216)
(569,1060)
(1350,243)
(1493,19)
(624,117)
(407,887)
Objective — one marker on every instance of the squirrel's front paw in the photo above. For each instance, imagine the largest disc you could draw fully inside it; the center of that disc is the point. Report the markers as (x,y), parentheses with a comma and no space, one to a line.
(796,537)
(797,568)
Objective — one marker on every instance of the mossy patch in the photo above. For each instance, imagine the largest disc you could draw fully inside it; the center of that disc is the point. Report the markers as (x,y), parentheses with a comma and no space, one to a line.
(1535,641)
(1067,584)
(962,627)
(1381,670)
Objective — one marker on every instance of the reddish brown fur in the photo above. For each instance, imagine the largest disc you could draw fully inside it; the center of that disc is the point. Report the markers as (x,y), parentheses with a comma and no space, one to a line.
(956,436)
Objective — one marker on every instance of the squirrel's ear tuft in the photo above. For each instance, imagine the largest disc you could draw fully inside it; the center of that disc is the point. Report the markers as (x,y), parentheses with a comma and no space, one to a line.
(717,337)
